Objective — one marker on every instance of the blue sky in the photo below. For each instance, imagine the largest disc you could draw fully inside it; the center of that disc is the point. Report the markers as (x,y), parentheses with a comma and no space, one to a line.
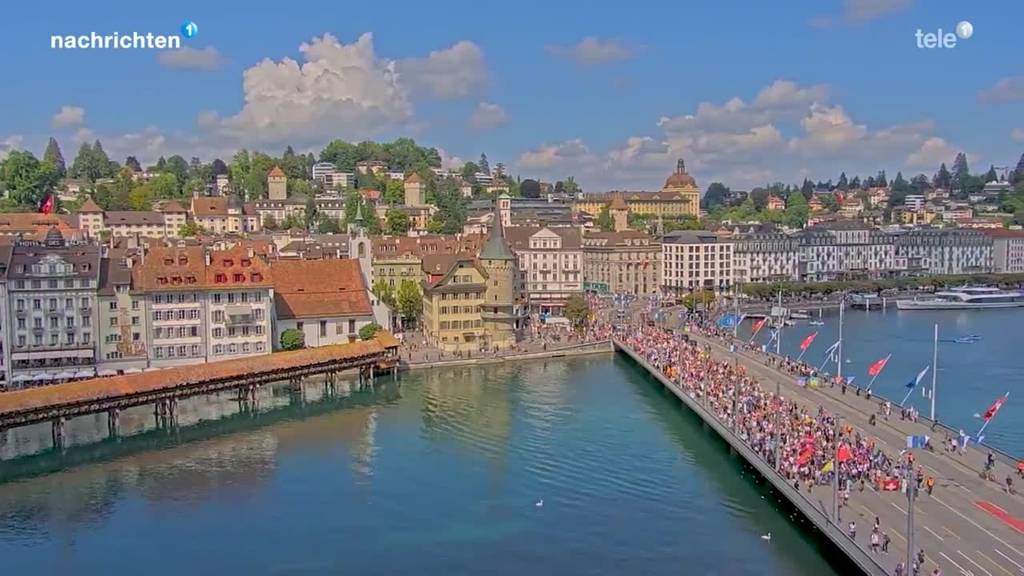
(747,92)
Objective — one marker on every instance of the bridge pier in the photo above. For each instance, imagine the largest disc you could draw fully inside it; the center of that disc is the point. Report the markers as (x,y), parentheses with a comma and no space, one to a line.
(113,421)
(57,433)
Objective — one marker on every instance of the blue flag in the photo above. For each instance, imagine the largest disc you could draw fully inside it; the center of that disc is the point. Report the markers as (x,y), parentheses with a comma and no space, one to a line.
(727,321)
(917,441)
(920,376)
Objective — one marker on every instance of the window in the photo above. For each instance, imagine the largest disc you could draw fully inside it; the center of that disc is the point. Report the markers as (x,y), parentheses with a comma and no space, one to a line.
(21,323)
(323,328)
(113,305)
(351,326)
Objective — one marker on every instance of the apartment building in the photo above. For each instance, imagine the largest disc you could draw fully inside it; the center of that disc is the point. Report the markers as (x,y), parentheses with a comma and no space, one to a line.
(765,256)
(623,262)
(225,215)
(165,221)
(452,304)
(51,297)
(1007,251)
(122,326)
(550,266)
(695,260)
(945,251)
(847,249)
(680,196)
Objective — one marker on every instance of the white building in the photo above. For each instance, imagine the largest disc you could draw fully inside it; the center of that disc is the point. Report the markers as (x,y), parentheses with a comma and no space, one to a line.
(765,256)
(550,265)
(695,260)
(327,300)
(328,175)
(51,290)
(945,251)
(1007,251)
(846,249)
(914,202)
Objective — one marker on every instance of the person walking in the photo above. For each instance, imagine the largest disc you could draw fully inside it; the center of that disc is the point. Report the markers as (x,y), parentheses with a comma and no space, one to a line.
(874,542)
(853,530)
(885,543)
(930,484)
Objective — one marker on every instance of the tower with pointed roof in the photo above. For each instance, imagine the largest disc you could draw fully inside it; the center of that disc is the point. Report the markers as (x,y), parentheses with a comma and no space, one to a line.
(498,308)
(277,184)
(619,211)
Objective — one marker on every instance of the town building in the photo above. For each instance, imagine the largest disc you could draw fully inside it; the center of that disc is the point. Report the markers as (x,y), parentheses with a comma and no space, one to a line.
(775,203)
(498,310)
(416,206)
(846,249)
(277,184)
(51,298)
(1007,251)
(330,178)
(695,260)
(122,326)
(5,320)
(765,255)
(164,221)
(452,307)
(550,266)
(327,300)
(938,251)
(621,262)
(678,197)
(225,215)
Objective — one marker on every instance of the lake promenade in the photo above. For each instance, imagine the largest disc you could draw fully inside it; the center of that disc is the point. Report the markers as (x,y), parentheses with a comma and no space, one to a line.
(967,525)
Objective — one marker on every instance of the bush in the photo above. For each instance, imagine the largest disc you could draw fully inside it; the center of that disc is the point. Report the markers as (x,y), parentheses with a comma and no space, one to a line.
(368,331)
(292,339)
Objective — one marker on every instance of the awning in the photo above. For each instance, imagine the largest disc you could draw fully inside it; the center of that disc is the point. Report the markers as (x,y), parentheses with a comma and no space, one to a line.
(21,378)
(85,373)
(67,375)
(42,377)
(150,369)
(132,370)
(107,372)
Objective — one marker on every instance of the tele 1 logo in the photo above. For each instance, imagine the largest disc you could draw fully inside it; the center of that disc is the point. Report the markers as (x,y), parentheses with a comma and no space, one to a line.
(940,39)
(189,29)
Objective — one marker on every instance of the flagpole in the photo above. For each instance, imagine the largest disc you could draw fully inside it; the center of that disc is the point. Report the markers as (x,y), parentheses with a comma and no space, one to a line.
(909,392)
(872,383)
(978,436)
(778,342)
(935,367)
(839,355)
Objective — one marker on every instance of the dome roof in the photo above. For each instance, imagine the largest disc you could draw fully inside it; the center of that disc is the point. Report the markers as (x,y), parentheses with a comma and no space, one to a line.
(679,178)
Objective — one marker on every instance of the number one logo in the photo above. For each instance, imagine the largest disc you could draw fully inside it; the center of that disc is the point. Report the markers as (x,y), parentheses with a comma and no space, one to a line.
(189,29)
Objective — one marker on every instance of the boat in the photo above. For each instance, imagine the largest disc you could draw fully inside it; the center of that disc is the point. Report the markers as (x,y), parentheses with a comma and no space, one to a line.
(865,301)
(965,298)
(800,315)
(969,339)
(815,323)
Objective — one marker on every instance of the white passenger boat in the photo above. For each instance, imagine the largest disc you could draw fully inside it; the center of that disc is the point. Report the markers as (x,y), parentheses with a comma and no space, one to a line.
(965,298)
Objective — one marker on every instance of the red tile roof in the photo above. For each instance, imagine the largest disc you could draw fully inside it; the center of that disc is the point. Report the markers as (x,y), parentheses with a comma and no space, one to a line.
(320,288)
(276,172)
(209,207)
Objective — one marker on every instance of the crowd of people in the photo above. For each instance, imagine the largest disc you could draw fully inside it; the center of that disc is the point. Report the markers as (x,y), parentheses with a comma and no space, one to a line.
(808,446)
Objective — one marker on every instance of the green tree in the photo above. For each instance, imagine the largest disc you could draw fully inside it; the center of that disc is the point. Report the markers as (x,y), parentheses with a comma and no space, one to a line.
(715,196)
(382,290)
(270,223)
(25,179)
(369,331)
(843,184)
(796,210)
(132,163)
(177,166)
(397,222)
(293,339)
(485,166)
(469,170)
(604,220)
(960,171)
(807,189)
(327,225)
(942,179)
(394,192)
(577,311)
(191,229)
(451,207)
(991,175)
(54,157)
(529,188)
(409,300)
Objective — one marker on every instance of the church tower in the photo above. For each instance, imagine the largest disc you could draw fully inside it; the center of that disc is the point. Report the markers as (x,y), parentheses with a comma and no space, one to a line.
(277,184)
(498,308)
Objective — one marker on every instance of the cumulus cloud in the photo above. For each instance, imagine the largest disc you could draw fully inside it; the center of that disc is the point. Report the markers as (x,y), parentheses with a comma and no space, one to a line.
(571,152)
(931,153)
(10,144)
(593,50)
(1017,134)
(773,136)
(68,116)
(450,73)
(1010,89)
(858,11)
(488,115)
(188,58)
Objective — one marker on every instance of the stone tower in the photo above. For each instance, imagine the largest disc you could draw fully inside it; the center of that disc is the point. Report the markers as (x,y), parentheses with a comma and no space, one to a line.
(415,190)
(498,308)
(505,209)
(277,184)
(619,212)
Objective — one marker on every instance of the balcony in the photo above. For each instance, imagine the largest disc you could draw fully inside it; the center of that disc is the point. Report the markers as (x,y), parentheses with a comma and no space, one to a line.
(239,316)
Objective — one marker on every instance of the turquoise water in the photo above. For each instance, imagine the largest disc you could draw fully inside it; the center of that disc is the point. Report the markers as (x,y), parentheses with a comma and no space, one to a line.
(970,376)
(441,474)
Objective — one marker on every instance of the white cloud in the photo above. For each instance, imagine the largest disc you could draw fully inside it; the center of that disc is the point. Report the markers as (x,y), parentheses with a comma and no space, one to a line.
(1017,134)
(189,58)
(568,153)
(68,116)
(448,161)
(488,115)
(593,50)
(10,144)
(827,129)
(858,11)
(782,99)
(931,153)
(450,73)
(341,90)
(1010,89)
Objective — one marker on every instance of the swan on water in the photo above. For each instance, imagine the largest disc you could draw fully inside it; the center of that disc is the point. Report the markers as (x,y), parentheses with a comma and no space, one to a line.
(539,503)
(767,536)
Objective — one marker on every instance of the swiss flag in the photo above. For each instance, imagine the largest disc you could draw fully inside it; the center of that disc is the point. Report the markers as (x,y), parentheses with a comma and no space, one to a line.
(807,341)
(46,207)
(876,368)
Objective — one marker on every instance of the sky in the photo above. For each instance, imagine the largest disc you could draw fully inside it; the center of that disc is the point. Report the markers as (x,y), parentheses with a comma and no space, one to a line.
(610,93)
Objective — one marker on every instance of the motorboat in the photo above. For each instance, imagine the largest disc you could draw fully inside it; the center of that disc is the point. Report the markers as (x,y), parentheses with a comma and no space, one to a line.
(965,298)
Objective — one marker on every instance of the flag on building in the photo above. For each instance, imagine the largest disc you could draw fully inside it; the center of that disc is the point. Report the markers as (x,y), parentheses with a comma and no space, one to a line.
(920,376)
(917,441)
(807,341)
(876,368)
